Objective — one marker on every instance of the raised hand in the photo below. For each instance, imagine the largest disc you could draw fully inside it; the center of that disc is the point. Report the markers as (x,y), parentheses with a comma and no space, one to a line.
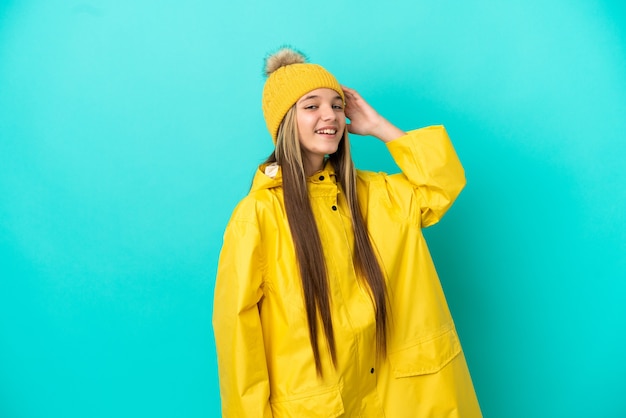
(365,120)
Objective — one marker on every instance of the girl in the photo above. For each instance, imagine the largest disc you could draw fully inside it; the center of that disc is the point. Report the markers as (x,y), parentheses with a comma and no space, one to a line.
(327,302)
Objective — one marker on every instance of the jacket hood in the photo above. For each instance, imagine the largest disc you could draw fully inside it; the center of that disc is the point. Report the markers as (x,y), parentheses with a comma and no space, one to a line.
(264,178)
(269,176)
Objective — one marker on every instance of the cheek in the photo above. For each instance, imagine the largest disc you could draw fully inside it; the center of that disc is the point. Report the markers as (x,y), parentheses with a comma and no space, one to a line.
(342,122)
(303,119)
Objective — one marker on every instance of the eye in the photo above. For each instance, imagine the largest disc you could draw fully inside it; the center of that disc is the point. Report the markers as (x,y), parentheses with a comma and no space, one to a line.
(338,107)
(311,107)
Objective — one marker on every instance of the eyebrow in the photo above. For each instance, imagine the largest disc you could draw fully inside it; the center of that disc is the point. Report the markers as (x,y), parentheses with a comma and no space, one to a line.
(314,96)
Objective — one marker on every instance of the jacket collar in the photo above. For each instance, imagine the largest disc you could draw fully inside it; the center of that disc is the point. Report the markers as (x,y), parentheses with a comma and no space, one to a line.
(269,176)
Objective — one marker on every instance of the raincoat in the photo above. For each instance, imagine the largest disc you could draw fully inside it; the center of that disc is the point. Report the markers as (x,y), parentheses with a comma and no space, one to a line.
(266,365)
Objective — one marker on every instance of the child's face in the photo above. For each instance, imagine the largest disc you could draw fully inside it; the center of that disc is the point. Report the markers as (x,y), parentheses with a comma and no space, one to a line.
(321,122)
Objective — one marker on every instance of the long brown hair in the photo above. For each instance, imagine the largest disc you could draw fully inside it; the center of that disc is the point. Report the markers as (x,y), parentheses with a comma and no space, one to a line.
(306,238)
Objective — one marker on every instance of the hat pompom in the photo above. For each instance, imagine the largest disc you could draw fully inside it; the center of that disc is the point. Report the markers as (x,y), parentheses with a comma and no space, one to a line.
(283,57)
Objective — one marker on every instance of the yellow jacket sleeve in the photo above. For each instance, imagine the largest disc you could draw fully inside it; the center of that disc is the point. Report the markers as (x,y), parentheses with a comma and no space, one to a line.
(428,160)
(243,376)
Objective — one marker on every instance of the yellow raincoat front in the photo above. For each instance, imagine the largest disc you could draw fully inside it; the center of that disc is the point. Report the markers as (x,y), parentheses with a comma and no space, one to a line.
(266,365)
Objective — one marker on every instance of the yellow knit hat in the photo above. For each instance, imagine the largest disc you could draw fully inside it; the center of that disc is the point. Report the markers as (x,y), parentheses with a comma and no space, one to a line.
(289,78)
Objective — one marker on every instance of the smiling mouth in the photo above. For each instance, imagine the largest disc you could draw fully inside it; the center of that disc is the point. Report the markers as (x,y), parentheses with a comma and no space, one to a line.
(326,131)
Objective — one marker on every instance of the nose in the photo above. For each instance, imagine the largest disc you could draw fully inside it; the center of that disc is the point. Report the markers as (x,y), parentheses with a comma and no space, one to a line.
(328,113)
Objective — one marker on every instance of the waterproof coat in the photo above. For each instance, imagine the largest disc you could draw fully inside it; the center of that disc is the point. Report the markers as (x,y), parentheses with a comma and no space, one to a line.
(266,364)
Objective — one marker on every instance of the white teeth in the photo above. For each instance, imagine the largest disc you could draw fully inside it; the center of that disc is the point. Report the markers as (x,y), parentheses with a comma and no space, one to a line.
(327,131)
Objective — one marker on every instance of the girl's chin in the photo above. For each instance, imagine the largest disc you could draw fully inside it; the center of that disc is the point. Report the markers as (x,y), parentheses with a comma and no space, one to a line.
(329,151)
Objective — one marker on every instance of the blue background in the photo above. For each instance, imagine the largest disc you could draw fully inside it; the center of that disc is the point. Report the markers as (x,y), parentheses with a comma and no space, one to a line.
(129,130)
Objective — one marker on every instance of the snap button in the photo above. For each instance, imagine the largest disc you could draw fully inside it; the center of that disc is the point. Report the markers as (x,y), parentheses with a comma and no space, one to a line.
(321,178)
(372,370)
(334,207)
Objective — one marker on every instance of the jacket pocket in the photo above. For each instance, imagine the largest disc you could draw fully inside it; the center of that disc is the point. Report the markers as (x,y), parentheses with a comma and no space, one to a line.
(426,356)
(327,404)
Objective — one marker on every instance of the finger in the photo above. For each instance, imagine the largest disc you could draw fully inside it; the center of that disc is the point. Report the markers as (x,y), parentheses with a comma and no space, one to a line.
(351,101)
(349,93)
